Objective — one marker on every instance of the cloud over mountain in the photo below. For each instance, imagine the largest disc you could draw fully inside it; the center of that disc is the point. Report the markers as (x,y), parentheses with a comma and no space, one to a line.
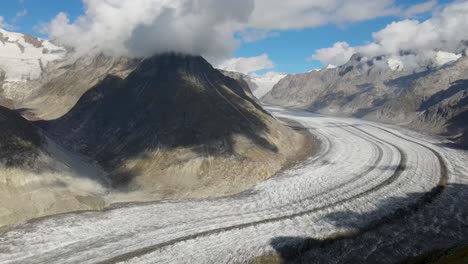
(145,27)
(412,41)
(247,65)
(201,27)
(337,55)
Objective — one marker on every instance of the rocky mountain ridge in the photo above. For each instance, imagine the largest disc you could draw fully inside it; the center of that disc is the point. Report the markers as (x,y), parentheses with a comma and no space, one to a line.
(428,98)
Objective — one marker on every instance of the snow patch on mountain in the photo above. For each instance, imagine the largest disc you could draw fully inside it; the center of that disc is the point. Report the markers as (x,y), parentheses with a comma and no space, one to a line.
(266,82)
(24,58)
(395,64)
(443,57)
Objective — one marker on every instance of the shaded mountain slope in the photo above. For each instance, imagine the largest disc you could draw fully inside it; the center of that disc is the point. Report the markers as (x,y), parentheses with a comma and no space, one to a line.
(65,82)
(176,126)
(19,140)
(38,177)
(246,81)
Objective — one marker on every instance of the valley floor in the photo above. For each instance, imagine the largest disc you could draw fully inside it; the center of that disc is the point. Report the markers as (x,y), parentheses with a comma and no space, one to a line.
(373,194)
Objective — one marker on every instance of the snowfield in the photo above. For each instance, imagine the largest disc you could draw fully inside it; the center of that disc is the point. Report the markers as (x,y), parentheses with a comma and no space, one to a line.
(363,173)
(25,58)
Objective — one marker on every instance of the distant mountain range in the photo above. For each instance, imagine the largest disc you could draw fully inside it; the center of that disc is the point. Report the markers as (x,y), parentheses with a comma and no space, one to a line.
(432,98)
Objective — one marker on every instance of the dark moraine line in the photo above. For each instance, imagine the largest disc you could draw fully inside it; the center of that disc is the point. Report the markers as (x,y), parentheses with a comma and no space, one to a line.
(398,214)
(399,170)
(444,177)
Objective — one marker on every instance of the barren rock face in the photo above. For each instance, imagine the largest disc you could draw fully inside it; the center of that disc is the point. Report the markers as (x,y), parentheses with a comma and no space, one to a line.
(429,99)
(39,177)
(19,140)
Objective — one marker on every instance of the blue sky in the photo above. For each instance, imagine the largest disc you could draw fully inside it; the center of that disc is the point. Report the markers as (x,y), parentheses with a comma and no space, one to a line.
(290,50)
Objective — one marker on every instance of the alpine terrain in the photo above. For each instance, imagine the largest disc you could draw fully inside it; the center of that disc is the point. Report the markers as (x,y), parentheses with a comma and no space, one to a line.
(107,129)
(195,131)
(431,98)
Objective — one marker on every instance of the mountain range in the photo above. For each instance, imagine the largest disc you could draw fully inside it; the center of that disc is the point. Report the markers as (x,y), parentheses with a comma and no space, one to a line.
(432,98)
(97,130)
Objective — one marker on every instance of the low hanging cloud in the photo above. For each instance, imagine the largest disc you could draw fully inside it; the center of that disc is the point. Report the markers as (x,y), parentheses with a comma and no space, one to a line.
(411,41)
(247,65)
(337,55)
(145,27)
(212,28)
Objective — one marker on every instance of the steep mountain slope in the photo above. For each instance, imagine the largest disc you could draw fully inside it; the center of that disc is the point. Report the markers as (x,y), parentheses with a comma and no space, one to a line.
(38,177)
(429,98)
(68,81)
(176,127)
(245,80)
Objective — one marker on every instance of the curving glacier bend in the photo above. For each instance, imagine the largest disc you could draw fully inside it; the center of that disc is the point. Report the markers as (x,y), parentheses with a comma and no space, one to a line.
(363,173)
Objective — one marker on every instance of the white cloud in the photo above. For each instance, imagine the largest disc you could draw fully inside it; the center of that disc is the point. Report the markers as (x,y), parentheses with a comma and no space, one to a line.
(445,30)
(19,15)
(4,24)
(252,35)
(247,65)
(421,8)
(339,54)
(202,27)
(299,14)
(145,27)
(411,41)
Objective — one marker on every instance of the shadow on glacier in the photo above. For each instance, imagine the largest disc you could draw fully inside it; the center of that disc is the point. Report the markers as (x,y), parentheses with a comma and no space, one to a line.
(398,229)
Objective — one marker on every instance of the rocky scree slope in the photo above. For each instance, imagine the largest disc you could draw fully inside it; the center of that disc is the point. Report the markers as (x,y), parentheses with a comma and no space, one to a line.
(38,177)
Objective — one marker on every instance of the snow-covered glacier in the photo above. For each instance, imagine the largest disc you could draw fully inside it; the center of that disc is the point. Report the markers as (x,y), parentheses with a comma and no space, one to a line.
(368,182)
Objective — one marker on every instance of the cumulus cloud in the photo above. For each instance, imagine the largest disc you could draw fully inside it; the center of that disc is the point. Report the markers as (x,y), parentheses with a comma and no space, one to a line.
(445,30)
(145,27)
(212,28)
(414,42)
(337,55)
(299,14)
(247,65)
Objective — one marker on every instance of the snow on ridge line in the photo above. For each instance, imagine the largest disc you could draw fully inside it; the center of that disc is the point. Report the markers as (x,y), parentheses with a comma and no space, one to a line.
(23,57)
